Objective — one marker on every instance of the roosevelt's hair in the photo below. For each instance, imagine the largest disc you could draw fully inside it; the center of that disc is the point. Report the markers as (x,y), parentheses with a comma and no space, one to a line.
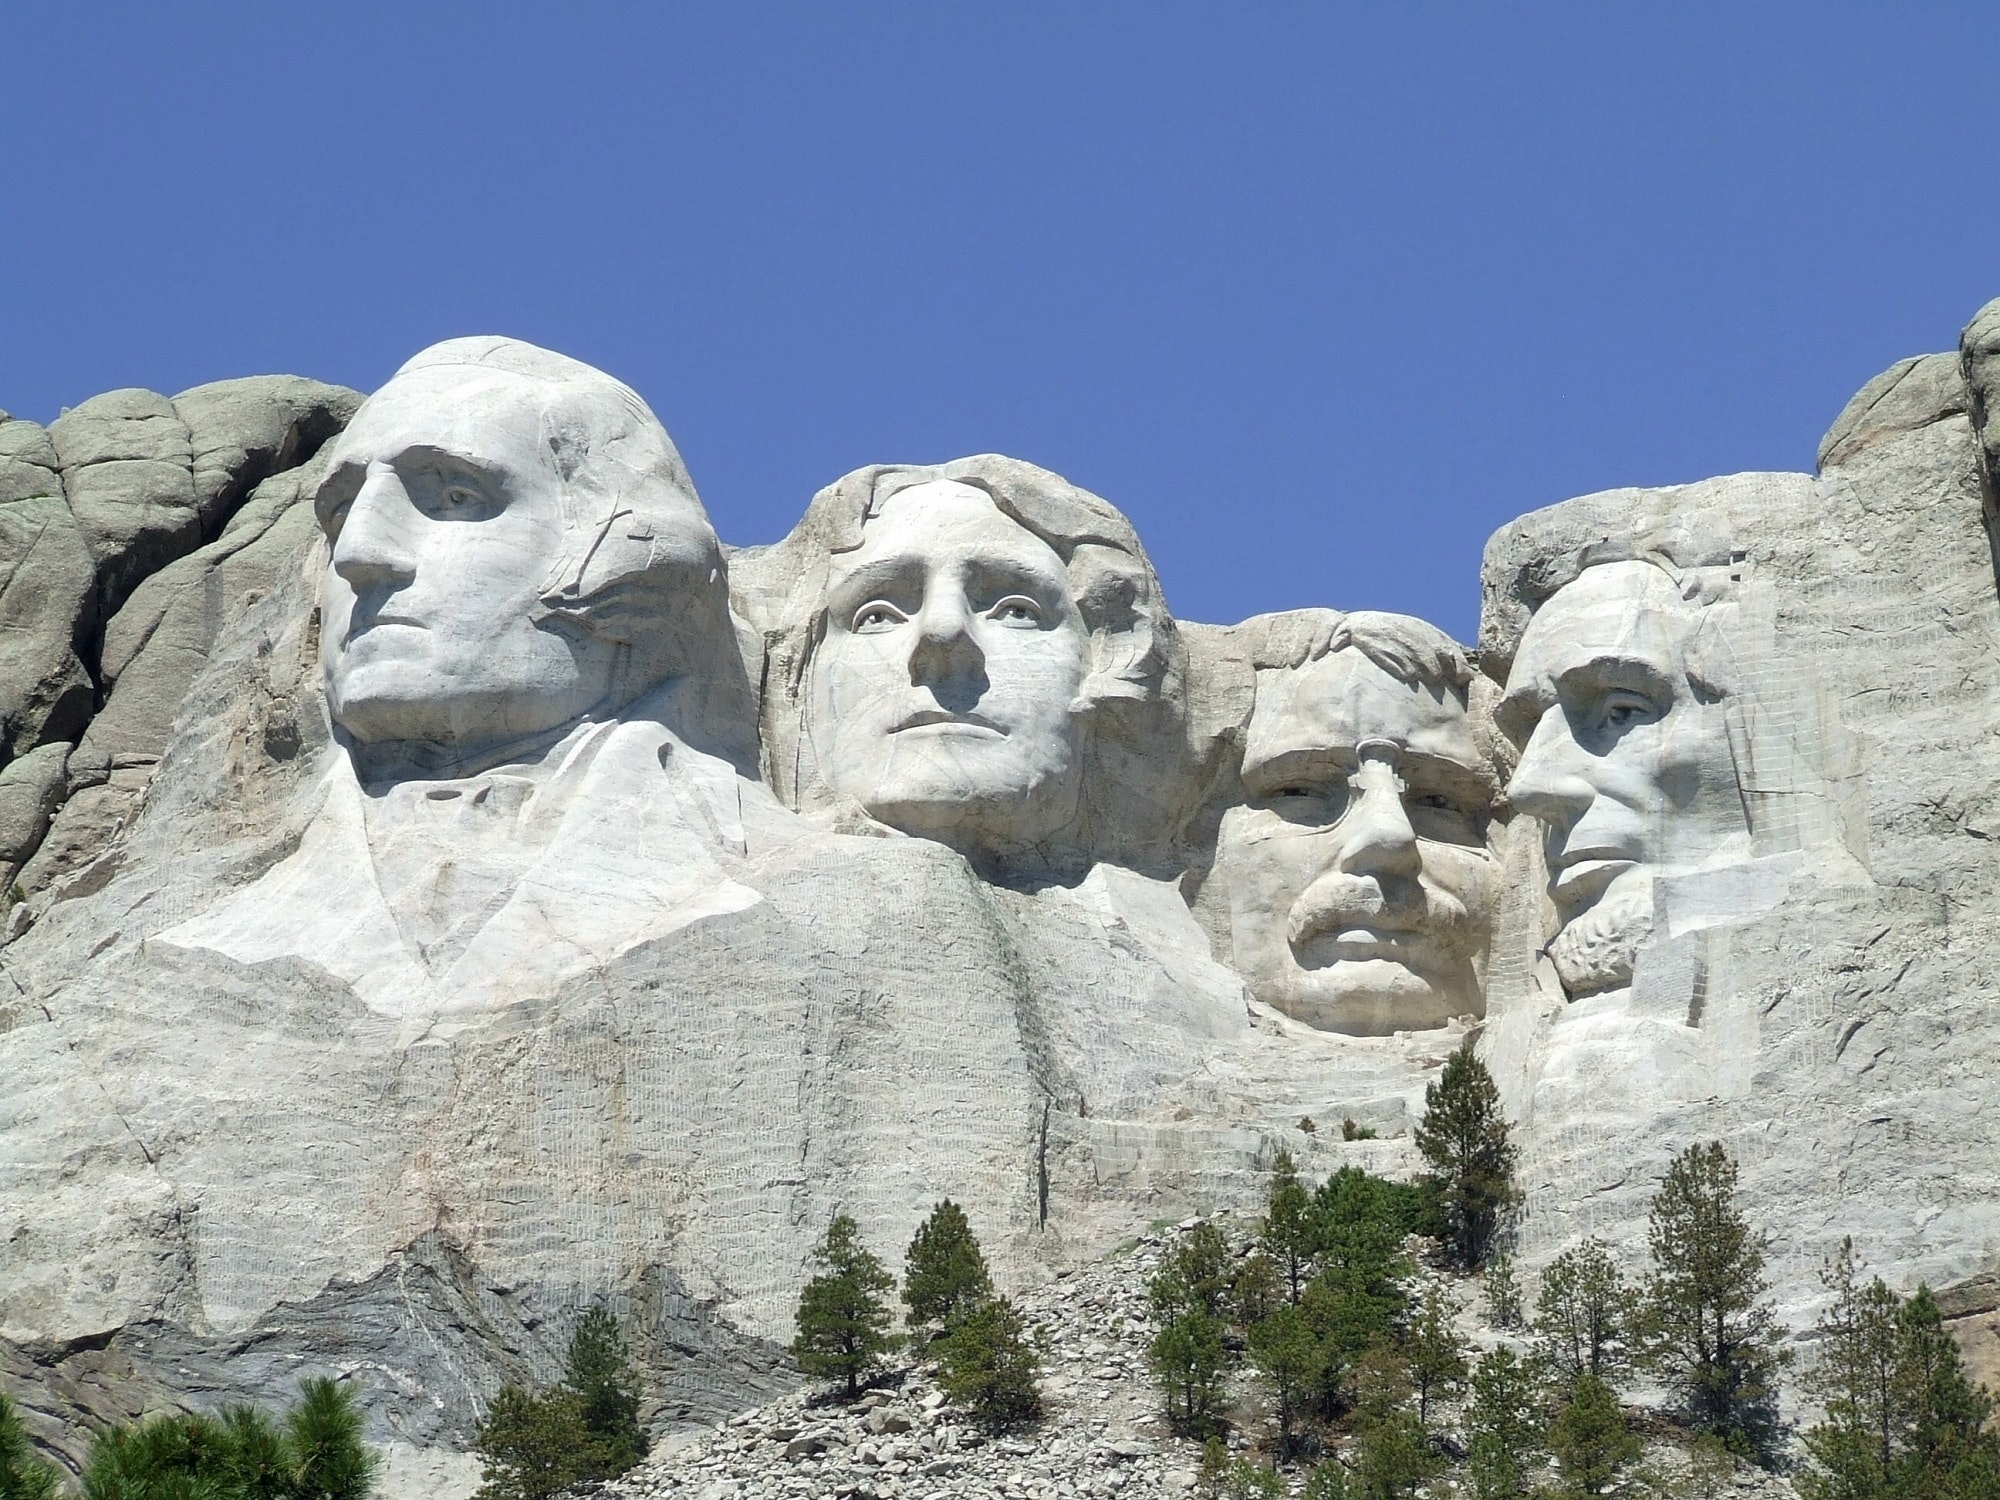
(1414,652)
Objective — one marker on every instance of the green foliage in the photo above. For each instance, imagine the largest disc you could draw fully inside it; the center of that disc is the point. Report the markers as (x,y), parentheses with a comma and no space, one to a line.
(1188,1358)
(1902,1420)
(1197,1275)
(585,1428)
(599,1370)
(1590,1440)
(1580,1315)
(988,1364)
(1327,1481)
(1224,1478)
(1352,1130)
(22,1475)
(239,1455)
(1393,1455)
(1290,1227)
(1463,1136)
(1705,1326)
(1434,1352)
(1289,1353)
(843,1317)
(1502,1291)
(531,1447)
(944,1273)
(1504,1426)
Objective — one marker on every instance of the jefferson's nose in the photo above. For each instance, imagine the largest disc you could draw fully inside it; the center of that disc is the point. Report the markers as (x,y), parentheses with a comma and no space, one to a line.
(1548,784)
(374,548)
(1376,837)
(944,651)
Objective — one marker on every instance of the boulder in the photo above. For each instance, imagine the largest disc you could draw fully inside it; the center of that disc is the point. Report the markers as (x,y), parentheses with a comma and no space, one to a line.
(244,431)
(47,595)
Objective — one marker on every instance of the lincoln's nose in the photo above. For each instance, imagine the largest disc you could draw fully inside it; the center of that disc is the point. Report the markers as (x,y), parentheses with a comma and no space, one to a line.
(1548,785)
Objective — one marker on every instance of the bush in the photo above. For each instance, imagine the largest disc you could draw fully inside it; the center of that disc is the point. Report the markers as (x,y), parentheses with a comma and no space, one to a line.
(585,1428)
(944,1273)
(1706,1327)
(239,1455)
(22,1475)
(843,1317)
(988,1364)
(1463,1136)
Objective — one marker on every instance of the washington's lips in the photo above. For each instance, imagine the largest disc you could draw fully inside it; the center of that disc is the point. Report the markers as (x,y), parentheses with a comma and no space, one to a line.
(940,719)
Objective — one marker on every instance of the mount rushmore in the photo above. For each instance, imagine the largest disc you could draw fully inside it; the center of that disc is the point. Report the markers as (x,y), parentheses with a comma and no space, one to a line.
(446,883)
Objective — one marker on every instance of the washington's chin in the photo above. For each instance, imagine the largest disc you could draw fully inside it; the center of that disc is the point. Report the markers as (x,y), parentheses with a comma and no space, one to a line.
(1371,996)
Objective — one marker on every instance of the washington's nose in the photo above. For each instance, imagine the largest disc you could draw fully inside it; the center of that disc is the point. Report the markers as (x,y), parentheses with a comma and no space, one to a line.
(1548,785)
(374,547)
(945,651)
(1376,836)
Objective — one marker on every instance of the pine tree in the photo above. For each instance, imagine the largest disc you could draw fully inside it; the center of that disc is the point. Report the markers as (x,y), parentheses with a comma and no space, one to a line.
(1901,1418)
(531,1447)
(1289,1353)
(1590,1440)
(1504,1426)
(22,1475)
(944,1273)
(1434,1351)
(1393,1455)
(240,1454)
(1289,1227)
(843,1317)
(1707,1329)
(1463,1136)
(1188,1358)
(1196,1275)
(1502,1290)
(1580,1315)
(322,1450)
(988,1364)
(600,1372)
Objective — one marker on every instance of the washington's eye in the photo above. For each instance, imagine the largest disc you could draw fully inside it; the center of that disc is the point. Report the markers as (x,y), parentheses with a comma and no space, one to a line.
(1016,610)
(871,618)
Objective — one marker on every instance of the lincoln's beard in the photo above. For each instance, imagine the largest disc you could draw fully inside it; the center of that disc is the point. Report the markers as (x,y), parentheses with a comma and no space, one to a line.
(1596,949)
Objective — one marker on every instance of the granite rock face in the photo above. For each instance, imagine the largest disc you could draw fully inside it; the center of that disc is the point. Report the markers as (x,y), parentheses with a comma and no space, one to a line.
(449,886)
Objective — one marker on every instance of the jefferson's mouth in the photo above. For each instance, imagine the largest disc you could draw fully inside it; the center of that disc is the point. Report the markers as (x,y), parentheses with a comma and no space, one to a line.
(938,719)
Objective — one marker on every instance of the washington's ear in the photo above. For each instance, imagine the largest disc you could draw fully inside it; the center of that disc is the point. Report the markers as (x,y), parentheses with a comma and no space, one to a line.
(1126,622)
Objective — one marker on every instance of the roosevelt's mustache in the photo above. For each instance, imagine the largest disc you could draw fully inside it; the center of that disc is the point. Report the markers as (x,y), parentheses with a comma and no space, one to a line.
(1337,901)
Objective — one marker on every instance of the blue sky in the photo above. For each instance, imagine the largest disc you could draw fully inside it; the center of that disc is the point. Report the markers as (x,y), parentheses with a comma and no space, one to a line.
(1319,294)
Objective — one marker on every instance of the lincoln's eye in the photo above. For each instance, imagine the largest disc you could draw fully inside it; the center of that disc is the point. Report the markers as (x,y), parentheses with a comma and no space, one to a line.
(1016,610)
(872,618)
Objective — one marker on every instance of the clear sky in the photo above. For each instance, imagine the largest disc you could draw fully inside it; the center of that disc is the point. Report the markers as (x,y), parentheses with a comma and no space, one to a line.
(1320,295)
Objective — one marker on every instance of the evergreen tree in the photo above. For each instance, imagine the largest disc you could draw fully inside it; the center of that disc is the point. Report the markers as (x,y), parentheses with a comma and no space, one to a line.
(1590,1440)
(988,1364)
(1327,1481)
(1504,1426)
(239,1455)
(843,1317)
(1198,1274)
(944,1273)
(1393,1455)
(599,1371)
(1580,1314)
(1355,1298)
(1502,1290)
(1434,1351)
(1289,1353)
(322,1451)
(1707,1329)
(1901,1418)
(1188,1358)
(1290,1227)
(532,1447)
(22,1475)
(1463,1136)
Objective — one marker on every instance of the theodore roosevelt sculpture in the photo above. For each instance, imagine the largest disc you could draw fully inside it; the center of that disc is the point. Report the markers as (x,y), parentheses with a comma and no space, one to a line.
(535,685)
(1355,870)
(977,653)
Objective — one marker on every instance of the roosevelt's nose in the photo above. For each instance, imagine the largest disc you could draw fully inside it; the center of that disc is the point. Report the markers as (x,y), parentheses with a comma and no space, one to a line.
(1376,837)
(1549,784)
(945,652)
(375,548)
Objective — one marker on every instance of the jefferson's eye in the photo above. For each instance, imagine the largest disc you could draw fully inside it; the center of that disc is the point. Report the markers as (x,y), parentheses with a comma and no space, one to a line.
(1016,610)
(872,618)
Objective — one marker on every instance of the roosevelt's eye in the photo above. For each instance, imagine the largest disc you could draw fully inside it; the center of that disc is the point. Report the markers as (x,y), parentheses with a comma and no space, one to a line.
(876,617)
(1017,611)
